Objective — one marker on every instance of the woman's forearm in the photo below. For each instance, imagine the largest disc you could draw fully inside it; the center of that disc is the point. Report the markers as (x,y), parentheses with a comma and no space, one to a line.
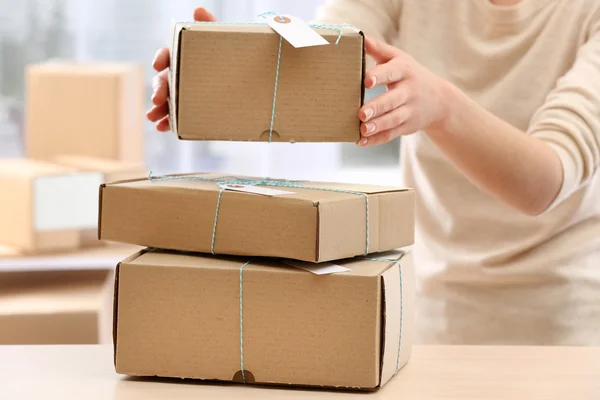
(511,165)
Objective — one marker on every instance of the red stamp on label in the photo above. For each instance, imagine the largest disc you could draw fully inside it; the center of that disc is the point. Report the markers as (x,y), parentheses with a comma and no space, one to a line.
(281,19)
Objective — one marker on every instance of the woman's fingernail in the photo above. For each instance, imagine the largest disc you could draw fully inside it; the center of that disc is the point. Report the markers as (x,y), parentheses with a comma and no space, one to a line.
(370,127)
(374,81)
(363,142)
(368,114)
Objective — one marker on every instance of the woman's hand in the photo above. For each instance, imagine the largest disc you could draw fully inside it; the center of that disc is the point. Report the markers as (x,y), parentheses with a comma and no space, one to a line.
(159,113)
(416,99)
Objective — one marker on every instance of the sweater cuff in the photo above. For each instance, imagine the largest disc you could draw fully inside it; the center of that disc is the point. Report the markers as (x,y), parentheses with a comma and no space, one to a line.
(569,182)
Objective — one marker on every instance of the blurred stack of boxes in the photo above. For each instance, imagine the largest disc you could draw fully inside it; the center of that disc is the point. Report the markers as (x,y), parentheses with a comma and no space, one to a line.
(84,127)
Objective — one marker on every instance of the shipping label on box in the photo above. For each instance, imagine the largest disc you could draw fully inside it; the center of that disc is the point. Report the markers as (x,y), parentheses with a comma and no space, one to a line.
(245,82)
(43,205)
(315,221)
(264,321)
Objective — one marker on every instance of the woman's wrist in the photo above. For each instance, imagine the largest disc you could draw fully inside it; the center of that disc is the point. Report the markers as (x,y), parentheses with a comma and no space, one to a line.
(453,103)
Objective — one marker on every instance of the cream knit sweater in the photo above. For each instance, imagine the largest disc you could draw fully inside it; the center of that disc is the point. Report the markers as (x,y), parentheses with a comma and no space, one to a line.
(537,66)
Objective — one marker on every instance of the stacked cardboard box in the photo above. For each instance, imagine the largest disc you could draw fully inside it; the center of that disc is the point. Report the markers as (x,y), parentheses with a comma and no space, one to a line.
(258,311)
(259,280)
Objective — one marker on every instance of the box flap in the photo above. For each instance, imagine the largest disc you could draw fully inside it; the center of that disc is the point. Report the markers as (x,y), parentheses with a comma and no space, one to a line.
(399,296)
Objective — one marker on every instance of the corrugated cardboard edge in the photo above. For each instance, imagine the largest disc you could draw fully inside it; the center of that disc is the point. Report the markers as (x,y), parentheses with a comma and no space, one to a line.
(100,193)
(173,74)
(116,300)
(364,71)
(398,329)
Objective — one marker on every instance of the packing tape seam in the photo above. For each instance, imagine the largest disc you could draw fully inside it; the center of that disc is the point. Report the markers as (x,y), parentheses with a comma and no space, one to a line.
(232,180)
(333,27)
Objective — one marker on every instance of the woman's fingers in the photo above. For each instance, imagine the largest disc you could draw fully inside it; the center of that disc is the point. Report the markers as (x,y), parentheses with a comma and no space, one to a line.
(157,113)
(201,14)
(161,59)
(382,137)
(386,102)
(163,125)
(390,120)
(385,74)
(160,86)
(380,51)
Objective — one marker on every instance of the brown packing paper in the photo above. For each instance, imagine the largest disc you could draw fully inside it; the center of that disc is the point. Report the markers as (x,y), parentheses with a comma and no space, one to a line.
(310,225)
(111,170)
(56,307)
(178,315)
(43,206)
(227,72)
(94,109)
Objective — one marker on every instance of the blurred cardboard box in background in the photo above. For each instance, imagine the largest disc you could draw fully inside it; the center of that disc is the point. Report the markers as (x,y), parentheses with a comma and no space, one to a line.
(43,206)
(56,307)
(111,170)
(85,109)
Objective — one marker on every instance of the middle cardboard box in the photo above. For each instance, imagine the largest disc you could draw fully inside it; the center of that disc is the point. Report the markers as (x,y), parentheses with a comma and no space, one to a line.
(209,213)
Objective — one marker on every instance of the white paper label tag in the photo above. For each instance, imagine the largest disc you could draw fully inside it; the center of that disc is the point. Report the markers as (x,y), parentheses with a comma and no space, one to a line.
(295,31)
(325,268)
(256,190)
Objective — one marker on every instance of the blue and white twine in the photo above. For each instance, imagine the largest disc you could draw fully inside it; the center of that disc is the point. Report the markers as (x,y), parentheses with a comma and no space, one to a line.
(390,260)
(224,181)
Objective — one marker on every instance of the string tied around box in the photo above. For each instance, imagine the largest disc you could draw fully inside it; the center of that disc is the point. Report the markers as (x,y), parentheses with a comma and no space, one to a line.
(399,263)
(223,182)
(241,301)
(277,17)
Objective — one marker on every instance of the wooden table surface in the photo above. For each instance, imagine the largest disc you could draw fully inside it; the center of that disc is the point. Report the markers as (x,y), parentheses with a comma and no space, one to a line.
(434,372)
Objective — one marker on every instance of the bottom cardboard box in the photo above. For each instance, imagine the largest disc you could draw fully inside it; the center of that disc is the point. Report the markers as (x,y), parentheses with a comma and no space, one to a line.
(66,307)
(264,321)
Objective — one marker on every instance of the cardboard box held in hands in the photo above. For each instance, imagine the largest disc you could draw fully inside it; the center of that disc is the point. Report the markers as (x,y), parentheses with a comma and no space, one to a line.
(244,82)
(264,321)
(310,221)
(43,206)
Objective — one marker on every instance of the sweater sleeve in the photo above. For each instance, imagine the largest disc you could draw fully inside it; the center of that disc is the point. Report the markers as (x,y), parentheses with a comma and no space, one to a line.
(377,18)
(569,119)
